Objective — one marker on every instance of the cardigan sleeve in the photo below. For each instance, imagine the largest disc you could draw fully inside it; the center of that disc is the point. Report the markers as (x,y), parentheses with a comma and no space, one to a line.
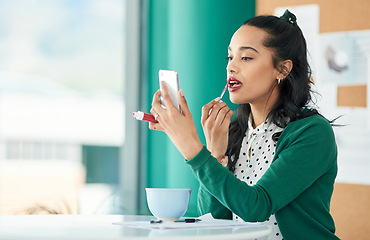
(207,203)
(304,152)
(225,188)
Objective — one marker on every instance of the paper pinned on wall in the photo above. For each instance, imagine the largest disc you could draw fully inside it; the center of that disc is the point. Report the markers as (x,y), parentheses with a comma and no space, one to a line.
(343,57)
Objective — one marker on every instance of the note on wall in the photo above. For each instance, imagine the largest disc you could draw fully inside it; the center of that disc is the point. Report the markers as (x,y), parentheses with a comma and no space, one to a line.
(343,57)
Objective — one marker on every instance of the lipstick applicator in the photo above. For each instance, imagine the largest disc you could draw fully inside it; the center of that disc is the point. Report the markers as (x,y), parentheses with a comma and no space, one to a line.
(220,97)
(223,92)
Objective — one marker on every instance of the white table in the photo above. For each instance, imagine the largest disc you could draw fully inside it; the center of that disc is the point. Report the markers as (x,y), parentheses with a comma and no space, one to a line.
(61,227)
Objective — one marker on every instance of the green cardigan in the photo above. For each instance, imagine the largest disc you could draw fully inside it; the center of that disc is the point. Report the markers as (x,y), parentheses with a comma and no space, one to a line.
(297,187)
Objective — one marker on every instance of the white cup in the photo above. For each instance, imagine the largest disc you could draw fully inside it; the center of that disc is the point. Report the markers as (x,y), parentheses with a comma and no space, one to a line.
(168,204)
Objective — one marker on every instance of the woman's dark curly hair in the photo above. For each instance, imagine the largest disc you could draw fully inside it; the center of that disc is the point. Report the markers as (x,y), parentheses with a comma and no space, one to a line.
(287,42)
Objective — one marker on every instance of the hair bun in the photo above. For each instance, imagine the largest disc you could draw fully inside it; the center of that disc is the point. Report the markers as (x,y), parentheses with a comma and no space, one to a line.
(289,17)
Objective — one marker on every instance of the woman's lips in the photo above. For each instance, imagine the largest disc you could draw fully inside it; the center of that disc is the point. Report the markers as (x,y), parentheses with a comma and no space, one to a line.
(234,84)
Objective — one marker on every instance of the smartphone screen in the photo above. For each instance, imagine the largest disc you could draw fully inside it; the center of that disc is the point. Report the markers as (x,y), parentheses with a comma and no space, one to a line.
(170,77)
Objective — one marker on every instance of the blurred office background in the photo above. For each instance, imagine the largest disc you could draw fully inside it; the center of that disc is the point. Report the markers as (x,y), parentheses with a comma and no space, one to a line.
(73,71)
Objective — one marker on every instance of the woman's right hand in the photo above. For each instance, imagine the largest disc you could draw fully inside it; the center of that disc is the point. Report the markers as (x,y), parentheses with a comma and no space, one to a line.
(215,121)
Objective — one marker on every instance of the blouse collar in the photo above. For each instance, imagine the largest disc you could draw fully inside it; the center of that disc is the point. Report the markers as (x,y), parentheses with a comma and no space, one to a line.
(260,128)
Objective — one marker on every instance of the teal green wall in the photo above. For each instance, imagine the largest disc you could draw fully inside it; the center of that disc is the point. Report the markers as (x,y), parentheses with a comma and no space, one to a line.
(191,37)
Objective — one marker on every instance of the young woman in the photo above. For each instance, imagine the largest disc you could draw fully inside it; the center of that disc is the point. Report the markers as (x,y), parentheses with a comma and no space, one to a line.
(281,154)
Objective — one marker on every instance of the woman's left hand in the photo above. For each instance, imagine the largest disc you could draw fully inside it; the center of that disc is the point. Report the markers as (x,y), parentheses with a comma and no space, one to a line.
(215,121)
(179,126)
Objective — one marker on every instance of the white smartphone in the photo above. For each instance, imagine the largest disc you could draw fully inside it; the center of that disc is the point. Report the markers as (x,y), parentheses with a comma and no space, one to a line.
(171,79)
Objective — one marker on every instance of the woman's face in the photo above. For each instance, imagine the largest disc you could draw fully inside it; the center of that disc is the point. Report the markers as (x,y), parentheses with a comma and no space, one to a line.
(251,73)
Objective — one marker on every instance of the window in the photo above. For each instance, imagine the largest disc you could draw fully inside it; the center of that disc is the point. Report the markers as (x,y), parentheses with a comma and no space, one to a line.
(61,96)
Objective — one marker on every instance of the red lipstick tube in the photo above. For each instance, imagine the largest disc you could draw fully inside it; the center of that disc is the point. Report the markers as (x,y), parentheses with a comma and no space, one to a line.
(142,116)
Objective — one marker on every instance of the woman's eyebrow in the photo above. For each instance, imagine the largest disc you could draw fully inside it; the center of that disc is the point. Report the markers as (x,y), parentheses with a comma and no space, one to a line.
(248,48)
(245,48)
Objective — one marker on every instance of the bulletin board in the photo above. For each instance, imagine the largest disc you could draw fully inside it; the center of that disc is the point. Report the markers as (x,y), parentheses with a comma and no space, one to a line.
(335,15)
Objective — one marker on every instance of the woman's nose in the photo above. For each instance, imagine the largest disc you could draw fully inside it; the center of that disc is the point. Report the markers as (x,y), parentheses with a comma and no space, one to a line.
(230,68)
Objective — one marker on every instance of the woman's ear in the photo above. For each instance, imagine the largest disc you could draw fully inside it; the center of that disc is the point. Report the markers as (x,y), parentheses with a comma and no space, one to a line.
(284,68)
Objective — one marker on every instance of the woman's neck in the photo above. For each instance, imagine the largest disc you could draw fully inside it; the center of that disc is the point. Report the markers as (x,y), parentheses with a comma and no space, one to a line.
(261,111)
(259,115)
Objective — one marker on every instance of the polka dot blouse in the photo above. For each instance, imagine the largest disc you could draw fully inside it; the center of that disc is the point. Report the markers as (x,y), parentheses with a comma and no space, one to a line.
(256,154)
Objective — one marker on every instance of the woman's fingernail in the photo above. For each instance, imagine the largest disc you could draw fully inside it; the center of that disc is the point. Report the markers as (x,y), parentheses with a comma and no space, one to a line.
(217,99)
(181,92)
